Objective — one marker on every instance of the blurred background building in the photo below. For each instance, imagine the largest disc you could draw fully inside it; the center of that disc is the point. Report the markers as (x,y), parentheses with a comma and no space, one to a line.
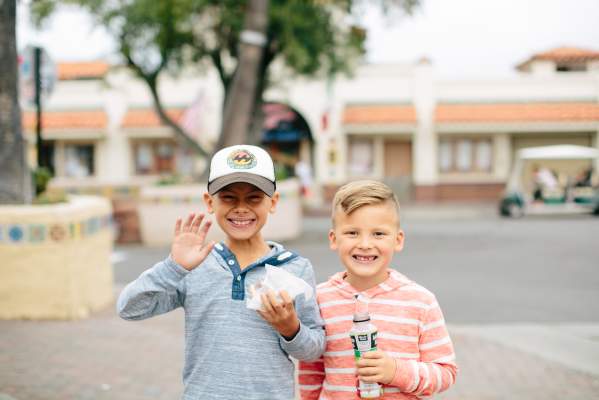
(430,139)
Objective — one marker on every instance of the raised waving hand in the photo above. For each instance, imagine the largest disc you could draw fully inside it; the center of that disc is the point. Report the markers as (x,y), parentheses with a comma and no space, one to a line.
(189,248)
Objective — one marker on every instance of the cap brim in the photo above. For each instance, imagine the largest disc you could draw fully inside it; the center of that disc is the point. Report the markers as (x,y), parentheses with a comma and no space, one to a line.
(266,185)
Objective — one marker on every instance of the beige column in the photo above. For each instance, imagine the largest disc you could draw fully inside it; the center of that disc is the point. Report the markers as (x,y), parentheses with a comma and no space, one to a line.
(424,146)
(114,154)
(596,145)
(502,156)
(379,157)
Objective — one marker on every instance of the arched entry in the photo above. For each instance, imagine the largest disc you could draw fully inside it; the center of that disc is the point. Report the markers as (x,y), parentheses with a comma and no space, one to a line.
(287,137)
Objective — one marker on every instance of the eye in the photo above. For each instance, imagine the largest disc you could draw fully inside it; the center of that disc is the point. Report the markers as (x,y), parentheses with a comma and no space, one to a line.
(351,233)
(379,234)
(227,197)
(255,198)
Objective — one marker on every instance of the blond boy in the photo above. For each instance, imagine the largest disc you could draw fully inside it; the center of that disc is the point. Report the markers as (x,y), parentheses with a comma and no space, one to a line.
(415,354)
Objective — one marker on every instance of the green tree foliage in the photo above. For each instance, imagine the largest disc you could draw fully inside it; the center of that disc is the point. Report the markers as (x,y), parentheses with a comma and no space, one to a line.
(309,36)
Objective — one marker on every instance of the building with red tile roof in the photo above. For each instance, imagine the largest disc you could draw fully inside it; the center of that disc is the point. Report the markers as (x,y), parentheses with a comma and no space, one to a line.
(82,70)
(429,138)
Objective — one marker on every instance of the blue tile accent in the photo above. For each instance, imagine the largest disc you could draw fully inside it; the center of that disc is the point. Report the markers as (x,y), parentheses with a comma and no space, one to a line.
(16,233)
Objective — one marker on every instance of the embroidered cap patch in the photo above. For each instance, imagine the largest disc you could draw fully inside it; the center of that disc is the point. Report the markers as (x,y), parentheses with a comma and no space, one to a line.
(241,159)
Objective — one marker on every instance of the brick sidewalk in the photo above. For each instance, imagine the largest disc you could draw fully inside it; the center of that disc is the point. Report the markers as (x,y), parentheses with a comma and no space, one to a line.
(105,357)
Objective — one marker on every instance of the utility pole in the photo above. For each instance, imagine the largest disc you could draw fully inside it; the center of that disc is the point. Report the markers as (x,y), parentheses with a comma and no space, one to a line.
(239,105)
(15,180)
(42,160)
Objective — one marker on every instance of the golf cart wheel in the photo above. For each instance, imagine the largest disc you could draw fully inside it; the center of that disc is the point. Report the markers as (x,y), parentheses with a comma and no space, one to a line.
(515,210)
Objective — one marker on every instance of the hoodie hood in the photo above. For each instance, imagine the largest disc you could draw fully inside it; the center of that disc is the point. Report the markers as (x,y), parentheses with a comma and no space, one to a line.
(394,281)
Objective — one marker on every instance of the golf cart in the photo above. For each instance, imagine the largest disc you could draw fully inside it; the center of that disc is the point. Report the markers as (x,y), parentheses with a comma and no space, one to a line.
(567,198)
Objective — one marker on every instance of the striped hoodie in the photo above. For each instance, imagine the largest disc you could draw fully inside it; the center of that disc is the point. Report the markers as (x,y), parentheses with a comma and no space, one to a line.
(411,329)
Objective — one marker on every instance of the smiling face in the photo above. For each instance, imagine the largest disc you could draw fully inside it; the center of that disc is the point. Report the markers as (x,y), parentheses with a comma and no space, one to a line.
(365,240)
(241,210)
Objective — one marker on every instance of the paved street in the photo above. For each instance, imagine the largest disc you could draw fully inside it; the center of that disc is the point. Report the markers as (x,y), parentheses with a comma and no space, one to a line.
(521,298)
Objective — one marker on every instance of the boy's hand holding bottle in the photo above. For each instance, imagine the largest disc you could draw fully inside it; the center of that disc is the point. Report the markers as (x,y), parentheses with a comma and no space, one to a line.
(188,248)
(375,366)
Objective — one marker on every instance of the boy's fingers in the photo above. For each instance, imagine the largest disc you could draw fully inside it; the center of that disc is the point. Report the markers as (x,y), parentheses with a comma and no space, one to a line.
(372,378)
(367,362)
(195,225)
(273,301)
(372,354)
(368,371)
(187,225)
(286,298)
(204,230)
(178,226)
(268,308)
(204,251)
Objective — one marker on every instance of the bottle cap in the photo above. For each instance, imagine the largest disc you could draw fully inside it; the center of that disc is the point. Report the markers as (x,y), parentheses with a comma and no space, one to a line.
(361,317)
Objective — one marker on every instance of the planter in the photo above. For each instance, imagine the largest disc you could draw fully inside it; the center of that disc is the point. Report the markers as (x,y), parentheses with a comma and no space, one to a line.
(160,206)
(55,259)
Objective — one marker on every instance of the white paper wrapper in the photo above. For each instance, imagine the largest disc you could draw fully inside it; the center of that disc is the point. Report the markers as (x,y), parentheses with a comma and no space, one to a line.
(277,279)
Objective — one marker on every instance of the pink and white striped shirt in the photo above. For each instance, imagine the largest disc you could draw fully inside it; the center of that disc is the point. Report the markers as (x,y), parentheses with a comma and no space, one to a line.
(411,329)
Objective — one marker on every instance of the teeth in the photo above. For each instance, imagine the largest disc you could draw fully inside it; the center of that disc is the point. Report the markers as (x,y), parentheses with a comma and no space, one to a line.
(241,222)
(365,258)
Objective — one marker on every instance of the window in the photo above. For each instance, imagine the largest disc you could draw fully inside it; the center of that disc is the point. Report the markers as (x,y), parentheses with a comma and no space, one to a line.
(361,158)
(465,155)
(571,67)
(154,157)
(445,155)
(483,156)
(79,160)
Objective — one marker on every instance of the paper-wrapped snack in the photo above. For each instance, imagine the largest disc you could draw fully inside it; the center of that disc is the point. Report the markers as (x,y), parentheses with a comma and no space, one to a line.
(277,279)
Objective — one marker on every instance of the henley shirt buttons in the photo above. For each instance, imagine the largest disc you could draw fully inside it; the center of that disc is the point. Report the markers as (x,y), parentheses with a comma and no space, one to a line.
(231,262)
(238,277)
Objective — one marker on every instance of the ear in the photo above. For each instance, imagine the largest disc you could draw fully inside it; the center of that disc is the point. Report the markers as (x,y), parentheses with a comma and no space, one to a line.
(399,239)
(332,240)
(274,199)
(209,200)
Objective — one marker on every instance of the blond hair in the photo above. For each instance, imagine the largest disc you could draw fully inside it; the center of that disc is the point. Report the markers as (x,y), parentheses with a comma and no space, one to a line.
(354,195)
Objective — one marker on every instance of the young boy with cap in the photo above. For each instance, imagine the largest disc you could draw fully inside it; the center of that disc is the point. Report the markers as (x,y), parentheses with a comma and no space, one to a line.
(231,351)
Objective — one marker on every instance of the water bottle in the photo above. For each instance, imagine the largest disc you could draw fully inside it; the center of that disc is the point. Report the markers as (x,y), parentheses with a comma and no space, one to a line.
(363,336)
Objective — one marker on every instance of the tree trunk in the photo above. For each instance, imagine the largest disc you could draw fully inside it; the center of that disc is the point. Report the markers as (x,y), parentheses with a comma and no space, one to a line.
(257,122)
(164,117)
(240,102)
(15,179)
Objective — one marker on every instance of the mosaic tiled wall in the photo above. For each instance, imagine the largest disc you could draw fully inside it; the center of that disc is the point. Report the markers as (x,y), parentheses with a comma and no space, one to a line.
(14,234)
(106,191)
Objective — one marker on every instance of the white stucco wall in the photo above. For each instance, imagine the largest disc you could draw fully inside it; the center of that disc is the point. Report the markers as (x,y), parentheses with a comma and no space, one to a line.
(370,84)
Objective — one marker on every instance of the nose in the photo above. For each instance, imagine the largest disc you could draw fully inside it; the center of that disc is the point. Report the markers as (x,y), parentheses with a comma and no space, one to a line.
(241,207)
(364,242)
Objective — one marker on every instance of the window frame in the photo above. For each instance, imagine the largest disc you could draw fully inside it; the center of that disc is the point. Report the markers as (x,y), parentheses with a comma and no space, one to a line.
(154,147)
(474,162)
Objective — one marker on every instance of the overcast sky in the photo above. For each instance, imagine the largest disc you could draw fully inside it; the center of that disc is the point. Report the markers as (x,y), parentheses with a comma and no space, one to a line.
(463,38)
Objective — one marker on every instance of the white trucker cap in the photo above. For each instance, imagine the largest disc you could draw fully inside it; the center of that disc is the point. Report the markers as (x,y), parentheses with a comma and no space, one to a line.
(242,163)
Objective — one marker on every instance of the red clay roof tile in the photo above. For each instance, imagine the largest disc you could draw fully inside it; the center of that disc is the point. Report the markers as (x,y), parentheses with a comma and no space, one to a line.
(562,55)
(379,114)
(523,112)
(82,70)
(144,118)
(96,119)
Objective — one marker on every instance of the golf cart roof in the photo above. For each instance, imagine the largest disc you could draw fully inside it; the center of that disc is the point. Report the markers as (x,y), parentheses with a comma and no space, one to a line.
(559,152)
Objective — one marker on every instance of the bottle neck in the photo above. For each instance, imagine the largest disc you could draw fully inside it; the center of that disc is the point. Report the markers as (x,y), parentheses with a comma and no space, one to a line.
(362,324)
